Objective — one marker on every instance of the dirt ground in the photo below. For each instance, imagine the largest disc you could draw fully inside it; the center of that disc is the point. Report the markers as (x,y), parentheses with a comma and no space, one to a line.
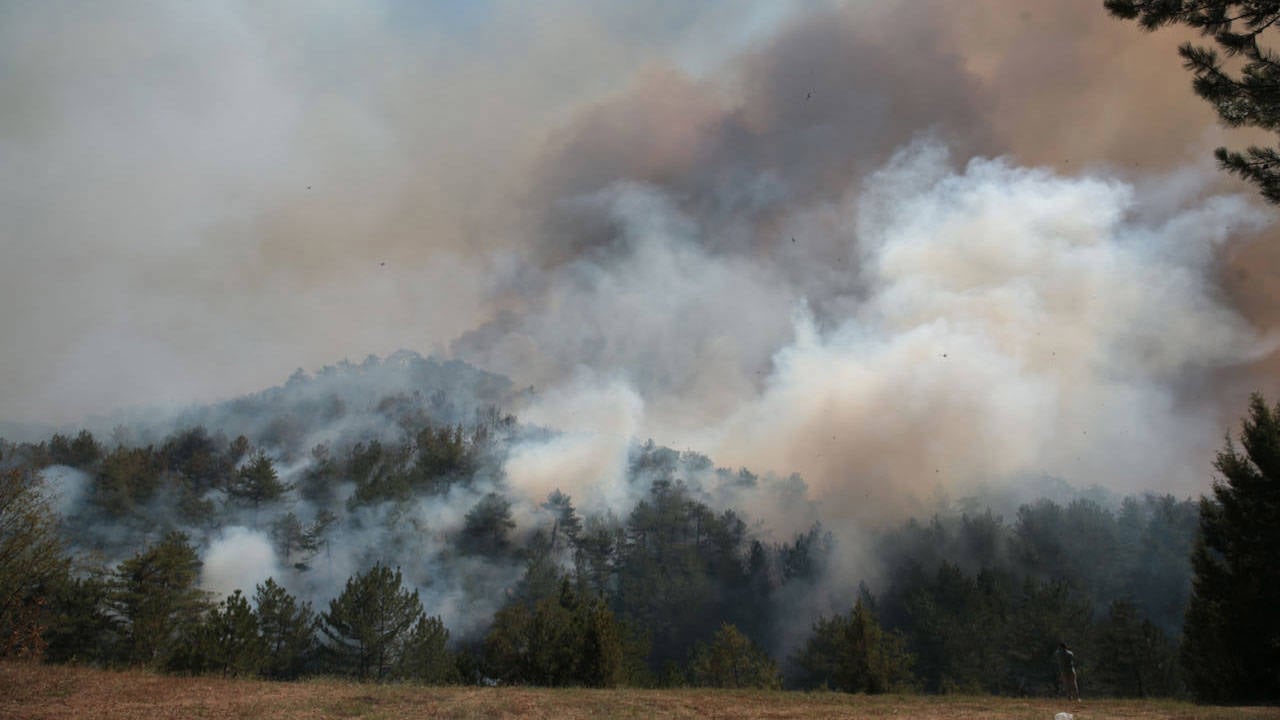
(32,692)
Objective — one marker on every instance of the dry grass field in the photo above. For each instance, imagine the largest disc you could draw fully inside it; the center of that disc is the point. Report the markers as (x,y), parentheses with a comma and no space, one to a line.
(48,691)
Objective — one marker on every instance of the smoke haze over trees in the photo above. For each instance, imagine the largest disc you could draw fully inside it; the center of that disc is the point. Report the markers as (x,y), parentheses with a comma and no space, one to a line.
(761,303)
(451,571)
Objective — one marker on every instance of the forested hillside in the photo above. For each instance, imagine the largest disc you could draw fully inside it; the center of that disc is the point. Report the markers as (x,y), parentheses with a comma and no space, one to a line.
(359,522)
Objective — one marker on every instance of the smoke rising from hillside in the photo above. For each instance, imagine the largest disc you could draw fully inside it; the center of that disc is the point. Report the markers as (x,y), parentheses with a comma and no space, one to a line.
(994,322)
(238,559)
(891,246)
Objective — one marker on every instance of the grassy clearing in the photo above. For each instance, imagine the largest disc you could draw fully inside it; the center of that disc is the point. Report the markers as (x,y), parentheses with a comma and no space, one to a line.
(35,692)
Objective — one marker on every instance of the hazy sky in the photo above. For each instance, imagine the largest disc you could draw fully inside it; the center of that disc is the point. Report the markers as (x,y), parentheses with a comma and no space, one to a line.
(199,198)
(731,225)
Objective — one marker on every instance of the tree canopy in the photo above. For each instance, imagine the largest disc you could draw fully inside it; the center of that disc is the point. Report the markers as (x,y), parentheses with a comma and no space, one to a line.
(154,596)
(732,660)
(31,558)
(853,654)
(561,639)
(1240,78)
(257,482)
(287,628)
(677,586)
(1231,650)
(369,624)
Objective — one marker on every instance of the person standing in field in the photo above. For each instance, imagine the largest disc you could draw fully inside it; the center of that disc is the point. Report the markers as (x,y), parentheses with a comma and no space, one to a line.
(1067,671)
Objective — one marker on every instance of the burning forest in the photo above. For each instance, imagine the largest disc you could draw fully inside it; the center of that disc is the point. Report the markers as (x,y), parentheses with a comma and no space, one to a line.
(874,347)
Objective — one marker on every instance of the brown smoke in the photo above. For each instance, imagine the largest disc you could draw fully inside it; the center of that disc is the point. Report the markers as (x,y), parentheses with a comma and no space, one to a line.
(783,143)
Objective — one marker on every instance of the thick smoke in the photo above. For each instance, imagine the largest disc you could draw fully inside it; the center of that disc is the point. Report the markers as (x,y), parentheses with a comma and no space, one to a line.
(239,558)
(595,427)
(895,247)
(223,209)
(66,487)
(740,254)
(991,322)
(1015,322)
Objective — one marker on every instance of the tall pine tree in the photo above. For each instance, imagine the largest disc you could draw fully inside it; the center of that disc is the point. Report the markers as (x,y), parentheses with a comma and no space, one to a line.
(154,597)
(852,653)
(1231,650)
(426,657)
(288,630)
(32,559)
(369,623)
(257,482)
(226,641)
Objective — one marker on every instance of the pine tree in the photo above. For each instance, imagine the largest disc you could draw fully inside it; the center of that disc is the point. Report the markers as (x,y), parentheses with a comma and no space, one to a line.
(1042,615)
(289,534)
(1244,94)
(852,653)
(298,542)
(154,595)
(288,630)
(680,571)
(81,451)
(226,642)
(1134,659)
(237,449)
(953,632)
(127,477)
(1231,647)
(80,628)
(257,482)
(595,554)
(565,521)
(487,527)
(318,480)
(369,623)
(537,645)
(605,646)
(731,660)
(443,455)
(559,639)
(426,656)
(32,559)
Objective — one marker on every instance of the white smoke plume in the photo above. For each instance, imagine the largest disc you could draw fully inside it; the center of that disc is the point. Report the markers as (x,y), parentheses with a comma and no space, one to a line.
(595,428)
(239,558)
(991,322)
(1014,322)
(65,487)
